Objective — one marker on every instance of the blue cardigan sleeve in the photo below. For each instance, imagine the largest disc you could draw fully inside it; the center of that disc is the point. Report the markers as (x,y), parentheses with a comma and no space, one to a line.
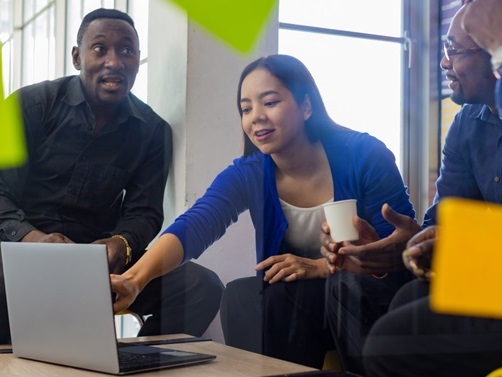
(373,180)
(207,220)
(385,185)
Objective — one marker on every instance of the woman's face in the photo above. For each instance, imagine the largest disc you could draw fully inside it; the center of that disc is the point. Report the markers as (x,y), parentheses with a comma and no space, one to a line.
(271,118)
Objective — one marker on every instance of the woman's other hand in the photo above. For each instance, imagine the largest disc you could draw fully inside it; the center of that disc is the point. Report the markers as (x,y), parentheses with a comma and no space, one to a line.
(289,267)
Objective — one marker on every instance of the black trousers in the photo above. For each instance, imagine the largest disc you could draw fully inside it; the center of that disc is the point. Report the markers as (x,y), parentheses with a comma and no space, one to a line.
(281,320)
(184,301)
(411,340)
(353,303)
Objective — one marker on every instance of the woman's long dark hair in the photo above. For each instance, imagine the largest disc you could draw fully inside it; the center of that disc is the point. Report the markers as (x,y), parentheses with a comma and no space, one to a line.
(297,79)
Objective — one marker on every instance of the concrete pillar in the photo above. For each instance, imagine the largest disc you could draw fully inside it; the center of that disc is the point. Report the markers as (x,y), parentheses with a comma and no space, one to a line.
(192,83)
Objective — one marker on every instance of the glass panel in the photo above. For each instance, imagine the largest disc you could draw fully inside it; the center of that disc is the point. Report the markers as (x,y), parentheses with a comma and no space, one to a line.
(90,5)
(28,10)
(448,107)
(6,17)
(351,15)
(6,31)
(73,20)
(7,68)
(32,7)
(40,4)
(108,4)
(138,10)
(360,81)
(51,39)
(28,54)
(39,46)
(141,84)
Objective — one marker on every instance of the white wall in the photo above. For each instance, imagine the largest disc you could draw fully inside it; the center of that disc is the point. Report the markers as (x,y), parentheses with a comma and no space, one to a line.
(192,83)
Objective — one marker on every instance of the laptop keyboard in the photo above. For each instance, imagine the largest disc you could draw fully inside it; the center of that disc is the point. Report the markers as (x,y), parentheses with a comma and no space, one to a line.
(133,361)
(137,358)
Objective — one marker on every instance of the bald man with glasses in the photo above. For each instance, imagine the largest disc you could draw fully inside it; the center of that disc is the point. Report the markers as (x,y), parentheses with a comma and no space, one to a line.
(411,340)
(482,22)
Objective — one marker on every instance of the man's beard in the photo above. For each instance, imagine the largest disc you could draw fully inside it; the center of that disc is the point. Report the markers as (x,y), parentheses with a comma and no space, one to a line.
(457,96)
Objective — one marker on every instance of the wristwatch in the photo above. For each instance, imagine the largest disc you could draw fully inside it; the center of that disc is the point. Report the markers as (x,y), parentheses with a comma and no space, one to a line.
(497,62)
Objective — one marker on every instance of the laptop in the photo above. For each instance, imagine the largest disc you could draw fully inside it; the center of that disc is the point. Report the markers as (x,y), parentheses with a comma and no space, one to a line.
(60,311)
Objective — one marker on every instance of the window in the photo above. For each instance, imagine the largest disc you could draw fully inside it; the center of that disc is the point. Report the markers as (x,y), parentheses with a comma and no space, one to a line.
(448,107)
(138,10)
(6,36)
(369,76)
(355,60)
(28,34)
(38,41)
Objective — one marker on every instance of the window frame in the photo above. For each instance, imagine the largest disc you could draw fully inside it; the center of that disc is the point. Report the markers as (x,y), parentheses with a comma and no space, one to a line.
(419,116)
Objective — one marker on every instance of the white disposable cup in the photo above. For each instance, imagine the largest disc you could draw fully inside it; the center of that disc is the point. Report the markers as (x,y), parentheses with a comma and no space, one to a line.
(339,216)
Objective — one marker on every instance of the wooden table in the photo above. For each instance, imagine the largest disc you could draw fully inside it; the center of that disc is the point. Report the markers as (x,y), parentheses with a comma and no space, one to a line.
(229,362)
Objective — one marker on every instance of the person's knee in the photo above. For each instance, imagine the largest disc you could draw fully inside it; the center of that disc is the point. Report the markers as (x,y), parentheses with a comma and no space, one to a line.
(241,314)
(238,292)
(240,287)
(205,282)
(409,292)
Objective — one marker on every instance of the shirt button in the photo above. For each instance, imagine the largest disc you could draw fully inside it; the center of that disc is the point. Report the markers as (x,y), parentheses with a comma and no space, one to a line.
(13,233)
(496,179)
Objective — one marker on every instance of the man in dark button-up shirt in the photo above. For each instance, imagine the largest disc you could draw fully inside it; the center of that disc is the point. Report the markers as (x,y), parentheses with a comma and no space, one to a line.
(96,173)
(411,339)
(81,185)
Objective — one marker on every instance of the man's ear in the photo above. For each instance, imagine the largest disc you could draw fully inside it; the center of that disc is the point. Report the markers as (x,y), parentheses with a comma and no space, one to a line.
(75,53)
(306,107)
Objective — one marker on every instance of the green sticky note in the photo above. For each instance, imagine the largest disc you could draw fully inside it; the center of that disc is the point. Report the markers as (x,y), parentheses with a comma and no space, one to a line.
(12,141)
(236,22)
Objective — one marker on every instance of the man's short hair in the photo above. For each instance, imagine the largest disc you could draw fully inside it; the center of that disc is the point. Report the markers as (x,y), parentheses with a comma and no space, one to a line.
(102,13)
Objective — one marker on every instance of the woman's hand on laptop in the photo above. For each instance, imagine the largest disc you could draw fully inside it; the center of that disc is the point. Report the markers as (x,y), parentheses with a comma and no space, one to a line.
(126,292)
(164,256)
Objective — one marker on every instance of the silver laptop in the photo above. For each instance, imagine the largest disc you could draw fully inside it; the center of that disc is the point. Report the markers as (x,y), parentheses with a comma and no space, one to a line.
(60,311)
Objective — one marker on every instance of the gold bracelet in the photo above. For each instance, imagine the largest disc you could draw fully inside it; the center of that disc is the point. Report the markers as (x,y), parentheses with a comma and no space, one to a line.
(128,248)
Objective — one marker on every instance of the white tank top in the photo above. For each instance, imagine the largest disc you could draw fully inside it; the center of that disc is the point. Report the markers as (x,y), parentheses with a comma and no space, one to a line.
(304,229)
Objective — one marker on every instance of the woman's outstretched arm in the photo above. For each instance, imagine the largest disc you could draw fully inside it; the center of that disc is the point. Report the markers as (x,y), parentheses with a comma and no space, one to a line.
(164,256)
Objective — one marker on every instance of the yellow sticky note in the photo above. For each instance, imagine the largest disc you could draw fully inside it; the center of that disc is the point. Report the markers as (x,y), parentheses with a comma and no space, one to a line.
(467,259)
(12,142)
(237,23)
(496,373)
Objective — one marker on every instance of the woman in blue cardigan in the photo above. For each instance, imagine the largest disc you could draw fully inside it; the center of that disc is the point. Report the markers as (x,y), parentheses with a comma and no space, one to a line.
(295,160)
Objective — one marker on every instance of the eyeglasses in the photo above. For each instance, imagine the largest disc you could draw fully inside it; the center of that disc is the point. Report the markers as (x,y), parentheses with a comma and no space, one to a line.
(449,51)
